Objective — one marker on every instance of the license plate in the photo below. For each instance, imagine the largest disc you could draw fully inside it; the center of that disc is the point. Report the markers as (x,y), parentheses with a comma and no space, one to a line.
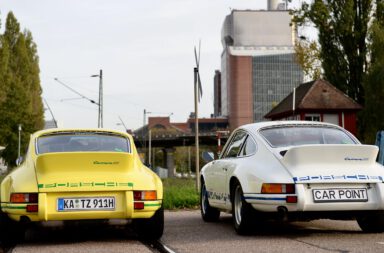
(86,204)
(340,195)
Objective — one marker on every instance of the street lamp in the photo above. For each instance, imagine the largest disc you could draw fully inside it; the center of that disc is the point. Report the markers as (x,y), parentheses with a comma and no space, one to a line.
(100,116)
(143,134)
(18,153)
(122,123)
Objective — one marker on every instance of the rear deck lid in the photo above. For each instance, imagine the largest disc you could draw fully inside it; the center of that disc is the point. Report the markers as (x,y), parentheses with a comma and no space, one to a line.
(333,163)
(84,171)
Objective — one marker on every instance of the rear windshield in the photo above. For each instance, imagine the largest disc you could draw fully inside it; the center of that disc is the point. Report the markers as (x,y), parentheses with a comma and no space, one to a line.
(297,135)
(78,142)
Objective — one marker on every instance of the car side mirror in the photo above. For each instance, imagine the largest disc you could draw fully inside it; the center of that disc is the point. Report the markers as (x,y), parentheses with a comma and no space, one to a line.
(19,160)
(208,156)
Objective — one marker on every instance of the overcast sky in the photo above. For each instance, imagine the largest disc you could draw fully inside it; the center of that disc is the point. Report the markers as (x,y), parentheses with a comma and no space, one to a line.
(145,49)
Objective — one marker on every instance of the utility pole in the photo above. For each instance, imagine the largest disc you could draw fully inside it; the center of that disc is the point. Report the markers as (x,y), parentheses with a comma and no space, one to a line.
(143,134)
(100,104)
(101,99)
(197,162)
(149,147)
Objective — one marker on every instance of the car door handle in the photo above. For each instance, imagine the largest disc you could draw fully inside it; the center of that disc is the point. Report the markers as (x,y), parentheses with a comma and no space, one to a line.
(225,169)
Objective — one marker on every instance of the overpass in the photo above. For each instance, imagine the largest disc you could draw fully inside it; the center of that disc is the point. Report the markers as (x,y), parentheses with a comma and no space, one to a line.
(161,134)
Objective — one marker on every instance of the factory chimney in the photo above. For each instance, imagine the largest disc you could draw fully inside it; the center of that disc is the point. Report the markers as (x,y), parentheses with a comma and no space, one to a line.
(276,5)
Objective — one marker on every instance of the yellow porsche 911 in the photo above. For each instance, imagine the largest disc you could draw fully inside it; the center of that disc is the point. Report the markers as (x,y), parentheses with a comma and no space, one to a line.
(83,174)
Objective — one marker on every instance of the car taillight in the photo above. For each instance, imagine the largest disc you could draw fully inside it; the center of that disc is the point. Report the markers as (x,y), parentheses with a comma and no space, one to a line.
(32,208)
(140,196)
(24,198)
(144,195)
(277,188)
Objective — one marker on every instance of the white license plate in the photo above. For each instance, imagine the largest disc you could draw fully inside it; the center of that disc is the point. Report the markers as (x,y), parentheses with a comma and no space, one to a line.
(86,204)
(340,195)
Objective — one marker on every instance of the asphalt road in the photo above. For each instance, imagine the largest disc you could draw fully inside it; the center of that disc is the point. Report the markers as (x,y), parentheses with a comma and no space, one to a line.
(186,232)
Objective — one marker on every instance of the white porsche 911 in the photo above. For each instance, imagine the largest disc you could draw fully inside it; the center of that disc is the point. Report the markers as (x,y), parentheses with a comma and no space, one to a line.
(294,170)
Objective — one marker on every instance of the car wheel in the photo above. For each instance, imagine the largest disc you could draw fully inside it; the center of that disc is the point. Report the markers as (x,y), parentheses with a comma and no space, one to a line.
(242,211)
(152,228)
(373,223)
(208,213)
(11,231)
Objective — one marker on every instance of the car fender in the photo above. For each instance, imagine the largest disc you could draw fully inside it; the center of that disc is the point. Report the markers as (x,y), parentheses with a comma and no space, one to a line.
(22,179)
(268,170)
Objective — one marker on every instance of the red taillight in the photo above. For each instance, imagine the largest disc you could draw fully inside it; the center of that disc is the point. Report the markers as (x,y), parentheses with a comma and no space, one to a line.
(291,199)
(277,188)
(138,205)
(24,198)
(33,198)
(32,208)
(144,195)
(137,195)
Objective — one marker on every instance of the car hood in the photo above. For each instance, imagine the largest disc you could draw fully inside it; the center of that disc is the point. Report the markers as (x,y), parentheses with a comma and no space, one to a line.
(87,171)
(333,163)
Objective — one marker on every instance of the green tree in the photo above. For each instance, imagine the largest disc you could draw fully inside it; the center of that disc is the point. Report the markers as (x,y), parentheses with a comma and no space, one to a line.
(308,57)
(372,118)
(350,35)
(21,91)
(342,27)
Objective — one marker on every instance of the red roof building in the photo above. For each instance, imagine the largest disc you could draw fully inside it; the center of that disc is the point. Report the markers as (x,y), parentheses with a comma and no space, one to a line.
(318,101)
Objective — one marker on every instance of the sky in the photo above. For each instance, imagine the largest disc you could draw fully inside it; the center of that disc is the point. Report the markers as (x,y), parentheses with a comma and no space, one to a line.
(145,49)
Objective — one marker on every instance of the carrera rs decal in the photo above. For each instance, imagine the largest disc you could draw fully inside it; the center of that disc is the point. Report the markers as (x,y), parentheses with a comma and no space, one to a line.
(218,196)
(82,184)
(336,177)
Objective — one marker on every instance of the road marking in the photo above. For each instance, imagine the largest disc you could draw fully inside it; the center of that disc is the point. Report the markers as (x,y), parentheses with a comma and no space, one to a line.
(382,243)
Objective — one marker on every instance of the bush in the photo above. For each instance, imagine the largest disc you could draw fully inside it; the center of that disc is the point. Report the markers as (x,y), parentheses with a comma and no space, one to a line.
(180,193)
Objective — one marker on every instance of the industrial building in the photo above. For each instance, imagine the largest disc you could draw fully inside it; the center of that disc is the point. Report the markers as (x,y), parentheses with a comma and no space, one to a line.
(258,67)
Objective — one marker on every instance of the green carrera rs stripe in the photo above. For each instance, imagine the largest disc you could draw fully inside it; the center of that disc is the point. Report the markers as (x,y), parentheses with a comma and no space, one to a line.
(84,184)
(14,207)
(153,204)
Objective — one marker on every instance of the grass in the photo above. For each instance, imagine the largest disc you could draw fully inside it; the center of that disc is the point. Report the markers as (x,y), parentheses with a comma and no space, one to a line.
(180,193)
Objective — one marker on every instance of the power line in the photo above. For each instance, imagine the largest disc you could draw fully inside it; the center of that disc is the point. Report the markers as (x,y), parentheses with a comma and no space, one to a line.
(74,91)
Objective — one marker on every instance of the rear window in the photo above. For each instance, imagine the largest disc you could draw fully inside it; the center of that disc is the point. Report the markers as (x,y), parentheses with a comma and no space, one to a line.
(297,135)
(81,141)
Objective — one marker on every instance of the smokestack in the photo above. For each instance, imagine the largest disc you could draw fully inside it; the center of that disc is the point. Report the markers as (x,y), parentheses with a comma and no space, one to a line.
(273,5)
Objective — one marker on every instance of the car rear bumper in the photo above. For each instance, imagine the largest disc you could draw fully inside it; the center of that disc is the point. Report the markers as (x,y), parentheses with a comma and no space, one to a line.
(48,208)
(306,203)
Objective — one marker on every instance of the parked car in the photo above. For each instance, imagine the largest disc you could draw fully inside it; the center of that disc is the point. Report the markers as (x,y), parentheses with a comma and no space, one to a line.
(294,170)
(77,175)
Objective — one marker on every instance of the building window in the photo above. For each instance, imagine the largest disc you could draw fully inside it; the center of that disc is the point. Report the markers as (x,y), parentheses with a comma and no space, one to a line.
(312,117)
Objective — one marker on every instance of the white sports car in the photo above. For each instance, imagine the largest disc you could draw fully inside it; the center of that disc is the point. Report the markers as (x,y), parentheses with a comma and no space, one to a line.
(294,170)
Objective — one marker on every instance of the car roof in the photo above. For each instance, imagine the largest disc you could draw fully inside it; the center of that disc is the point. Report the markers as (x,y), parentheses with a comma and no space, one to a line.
(254,127)
(74,130)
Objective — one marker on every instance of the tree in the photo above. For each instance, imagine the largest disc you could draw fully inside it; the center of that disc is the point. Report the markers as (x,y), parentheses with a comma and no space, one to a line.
(20,100)
(372,118)
(342,35)
(350,36)
(308,57)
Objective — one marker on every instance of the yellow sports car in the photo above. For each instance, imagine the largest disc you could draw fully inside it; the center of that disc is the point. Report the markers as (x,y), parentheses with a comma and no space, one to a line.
(81,174)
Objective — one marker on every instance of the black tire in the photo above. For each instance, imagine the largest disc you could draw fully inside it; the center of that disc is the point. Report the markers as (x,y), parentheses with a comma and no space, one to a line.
(242,212)
(11,232)
(372,223)
(208,213)
(152,228)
